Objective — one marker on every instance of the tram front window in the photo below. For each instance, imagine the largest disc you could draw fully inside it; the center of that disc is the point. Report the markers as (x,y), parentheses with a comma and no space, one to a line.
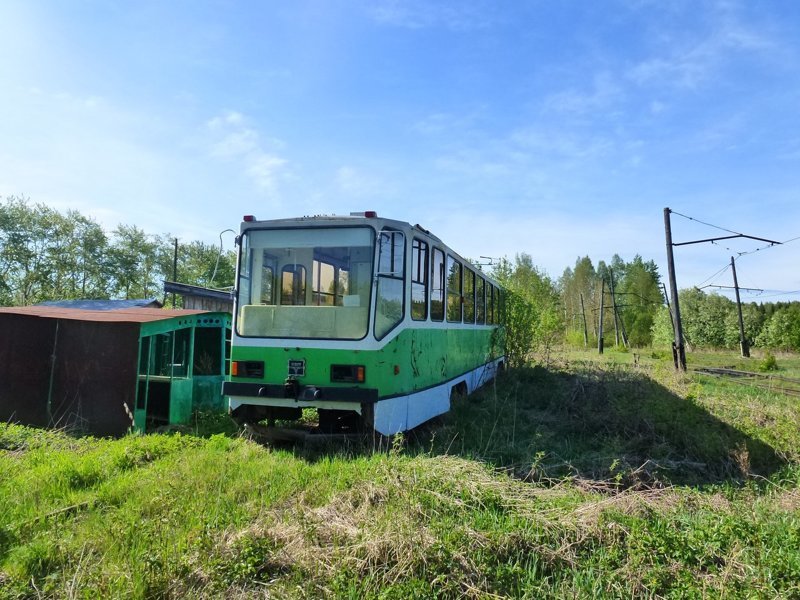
(305,283)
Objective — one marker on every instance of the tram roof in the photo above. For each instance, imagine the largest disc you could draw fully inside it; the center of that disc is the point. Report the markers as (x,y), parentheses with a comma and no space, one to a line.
(351,219)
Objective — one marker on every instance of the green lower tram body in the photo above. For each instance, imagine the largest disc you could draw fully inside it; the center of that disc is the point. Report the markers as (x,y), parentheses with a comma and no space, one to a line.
(405,383)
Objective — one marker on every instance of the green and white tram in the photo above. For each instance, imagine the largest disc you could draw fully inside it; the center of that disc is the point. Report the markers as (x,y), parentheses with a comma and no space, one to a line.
(368,320)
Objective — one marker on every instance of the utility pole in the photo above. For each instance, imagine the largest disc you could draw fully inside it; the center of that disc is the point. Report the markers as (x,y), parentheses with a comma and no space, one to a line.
(743,345)
(600,327)
(613,306)
(678,348)
(175,269)
(617,316)
(585,331)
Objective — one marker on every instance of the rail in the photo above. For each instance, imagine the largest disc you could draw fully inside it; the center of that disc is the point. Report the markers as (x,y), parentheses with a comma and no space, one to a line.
(787,386)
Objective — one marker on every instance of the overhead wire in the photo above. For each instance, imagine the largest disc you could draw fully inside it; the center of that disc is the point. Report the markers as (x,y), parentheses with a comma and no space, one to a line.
(704,223)
(738,254)
(711,278)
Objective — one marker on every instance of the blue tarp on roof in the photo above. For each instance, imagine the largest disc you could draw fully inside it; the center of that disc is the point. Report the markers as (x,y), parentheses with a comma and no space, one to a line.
(104,304)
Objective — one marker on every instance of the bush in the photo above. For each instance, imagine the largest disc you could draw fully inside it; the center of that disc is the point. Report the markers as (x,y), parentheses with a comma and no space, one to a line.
(769,363)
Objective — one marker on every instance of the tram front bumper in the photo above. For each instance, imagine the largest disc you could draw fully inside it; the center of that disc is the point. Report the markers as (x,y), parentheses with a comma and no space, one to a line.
(303,395)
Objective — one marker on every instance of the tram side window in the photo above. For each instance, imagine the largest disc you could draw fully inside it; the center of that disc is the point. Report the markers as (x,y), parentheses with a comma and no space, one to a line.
(469,296)
(490,304)
(496,305)
(437,285)
(480,301)
(293,285)
(389,306)
(419,280)
(454,299)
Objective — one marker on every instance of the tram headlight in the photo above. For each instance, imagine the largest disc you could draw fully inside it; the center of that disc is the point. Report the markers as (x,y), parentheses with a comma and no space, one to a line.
(348,373)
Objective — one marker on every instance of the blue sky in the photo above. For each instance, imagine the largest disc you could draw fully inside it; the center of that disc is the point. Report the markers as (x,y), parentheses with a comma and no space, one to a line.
(559,129)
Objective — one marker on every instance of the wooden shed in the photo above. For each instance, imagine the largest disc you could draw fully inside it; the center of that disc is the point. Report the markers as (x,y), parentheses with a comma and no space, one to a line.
(107,371)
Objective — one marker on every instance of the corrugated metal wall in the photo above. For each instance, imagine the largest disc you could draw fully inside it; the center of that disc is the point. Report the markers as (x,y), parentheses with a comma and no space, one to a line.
(67,373)
(95,375)
(26,344)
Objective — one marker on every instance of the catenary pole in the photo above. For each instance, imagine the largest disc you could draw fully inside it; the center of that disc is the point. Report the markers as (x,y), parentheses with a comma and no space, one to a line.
(600,325)
(585,330)
(678,348)
(743,345)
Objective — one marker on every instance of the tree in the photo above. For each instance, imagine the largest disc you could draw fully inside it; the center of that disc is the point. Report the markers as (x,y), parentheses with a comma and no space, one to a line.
(199,262)
(133,262)
(27,265)
(703,317)
(47,255)
(781,331)
(532,315)
(753,320)
(639,291)
(576,283)
(662,331)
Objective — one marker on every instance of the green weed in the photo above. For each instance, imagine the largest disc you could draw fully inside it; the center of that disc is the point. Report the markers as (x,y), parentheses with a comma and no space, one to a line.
(587,479)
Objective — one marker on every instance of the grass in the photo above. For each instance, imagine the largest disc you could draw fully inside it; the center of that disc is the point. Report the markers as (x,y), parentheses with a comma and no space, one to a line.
(587,479)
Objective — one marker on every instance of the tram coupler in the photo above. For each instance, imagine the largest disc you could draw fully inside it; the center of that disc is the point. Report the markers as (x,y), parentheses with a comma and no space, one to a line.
(291,388)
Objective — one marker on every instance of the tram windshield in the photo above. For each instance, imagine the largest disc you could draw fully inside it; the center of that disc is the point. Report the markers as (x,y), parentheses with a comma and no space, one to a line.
(305,283)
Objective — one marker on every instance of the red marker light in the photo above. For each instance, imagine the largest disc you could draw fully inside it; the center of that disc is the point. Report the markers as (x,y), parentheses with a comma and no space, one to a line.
(370,214)
(249,218)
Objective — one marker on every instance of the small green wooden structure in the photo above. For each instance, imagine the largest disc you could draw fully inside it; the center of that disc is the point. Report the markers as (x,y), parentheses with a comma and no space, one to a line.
(182,364)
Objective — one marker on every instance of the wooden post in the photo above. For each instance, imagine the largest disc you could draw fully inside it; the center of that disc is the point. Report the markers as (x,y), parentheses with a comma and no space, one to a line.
(600,326)
(678,348)
(175,270)
(585,330)
(743,345)
(618,324)
(613,306)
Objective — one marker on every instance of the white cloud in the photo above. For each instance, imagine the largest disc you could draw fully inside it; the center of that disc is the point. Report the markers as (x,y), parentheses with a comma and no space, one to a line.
(603,93)
(562,143)
(420,14)
(353,182)
(692,63)
(234,140)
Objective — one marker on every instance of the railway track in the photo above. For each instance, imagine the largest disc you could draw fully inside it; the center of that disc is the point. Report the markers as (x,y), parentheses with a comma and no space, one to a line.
(773,383)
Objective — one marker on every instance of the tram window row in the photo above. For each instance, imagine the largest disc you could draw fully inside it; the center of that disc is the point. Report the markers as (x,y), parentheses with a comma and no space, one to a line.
(451,289)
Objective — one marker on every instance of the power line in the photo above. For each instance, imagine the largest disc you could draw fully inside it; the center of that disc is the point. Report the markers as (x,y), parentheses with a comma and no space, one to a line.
(678,346)
(767,246)
(776,294)
(660,300)
(720,272)
(731,287)
(704,223)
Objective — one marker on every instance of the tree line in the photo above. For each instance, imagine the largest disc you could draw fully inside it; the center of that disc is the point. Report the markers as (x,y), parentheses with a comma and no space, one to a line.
(49,255)
(712,321)
(643,319)
(629,293)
